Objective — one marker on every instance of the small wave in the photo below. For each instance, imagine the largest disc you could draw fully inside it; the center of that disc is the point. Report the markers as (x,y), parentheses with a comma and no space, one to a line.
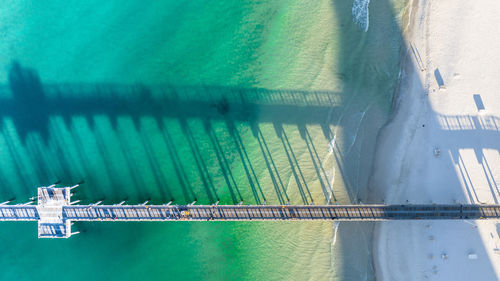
(356,121)
(335,229)
(331,148)
(332,144)
(360,14)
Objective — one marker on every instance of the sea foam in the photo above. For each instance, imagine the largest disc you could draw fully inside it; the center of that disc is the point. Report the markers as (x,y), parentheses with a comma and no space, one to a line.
(360,14)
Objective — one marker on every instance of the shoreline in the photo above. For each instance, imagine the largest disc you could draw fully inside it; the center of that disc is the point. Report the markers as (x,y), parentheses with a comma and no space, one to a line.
(371,193)
(375,192)
(438,146)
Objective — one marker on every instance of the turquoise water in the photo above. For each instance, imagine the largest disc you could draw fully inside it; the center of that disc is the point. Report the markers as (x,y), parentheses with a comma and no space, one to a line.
(262,102)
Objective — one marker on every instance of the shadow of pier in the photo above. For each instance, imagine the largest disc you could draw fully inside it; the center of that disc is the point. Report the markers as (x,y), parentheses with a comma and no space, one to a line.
(115,117)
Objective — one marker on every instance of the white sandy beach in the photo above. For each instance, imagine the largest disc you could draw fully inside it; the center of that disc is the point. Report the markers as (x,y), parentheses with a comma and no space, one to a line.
(442,145)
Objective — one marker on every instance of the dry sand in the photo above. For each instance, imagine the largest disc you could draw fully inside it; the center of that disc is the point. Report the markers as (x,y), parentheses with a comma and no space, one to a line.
(442,145)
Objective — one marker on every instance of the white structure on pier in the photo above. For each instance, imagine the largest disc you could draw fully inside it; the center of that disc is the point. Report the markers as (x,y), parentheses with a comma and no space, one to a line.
(51,223)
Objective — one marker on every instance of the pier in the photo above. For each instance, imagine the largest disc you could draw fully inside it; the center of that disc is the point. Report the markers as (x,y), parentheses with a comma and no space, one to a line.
(55,213)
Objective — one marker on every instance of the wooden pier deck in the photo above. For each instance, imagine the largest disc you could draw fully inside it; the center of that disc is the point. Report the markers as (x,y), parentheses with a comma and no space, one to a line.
(18,213)
(55,212)
(279,212)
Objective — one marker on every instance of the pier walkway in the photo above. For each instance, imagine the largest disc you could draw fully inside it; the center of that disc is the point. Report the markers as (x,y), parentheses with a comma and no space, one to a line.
(55,212)
(279,212)
(253,212)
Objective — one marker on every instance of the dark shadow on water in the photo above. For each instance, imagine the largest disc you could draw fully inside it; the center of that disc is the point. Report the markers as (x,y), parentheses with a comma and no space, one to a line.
(159,177)
(38,161)
(106,157)
(135,174)
(187,190)
(32,104)
(326,186)
(279,187)
(16,159)
(28,104)
(297,166)
(247,164)
(294,165)
(204,173)
(224,166)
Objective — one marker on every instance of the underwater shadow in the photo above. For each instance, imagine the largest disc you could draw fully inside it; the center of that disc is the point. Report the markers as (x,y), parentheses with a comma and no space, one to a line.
(32,107)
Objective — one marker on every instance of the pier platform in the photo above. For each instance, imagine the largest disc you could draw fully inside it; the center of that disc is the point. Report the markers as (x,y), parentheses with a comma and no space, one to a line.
(51,220)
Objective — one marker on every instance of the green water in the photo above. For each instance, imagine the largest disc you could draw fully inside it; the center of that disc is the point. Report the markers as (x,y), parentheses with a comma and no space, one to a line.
(252,95)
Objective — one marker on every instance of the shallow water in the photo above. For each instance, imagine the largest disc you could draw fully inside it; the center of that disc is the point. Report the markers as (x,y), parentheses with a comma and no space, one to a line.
(184,101)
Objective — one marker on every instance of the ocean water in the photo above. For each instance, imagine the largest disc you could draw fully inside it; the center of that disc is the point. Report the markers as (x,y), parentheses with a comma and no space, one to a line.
(260,102)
